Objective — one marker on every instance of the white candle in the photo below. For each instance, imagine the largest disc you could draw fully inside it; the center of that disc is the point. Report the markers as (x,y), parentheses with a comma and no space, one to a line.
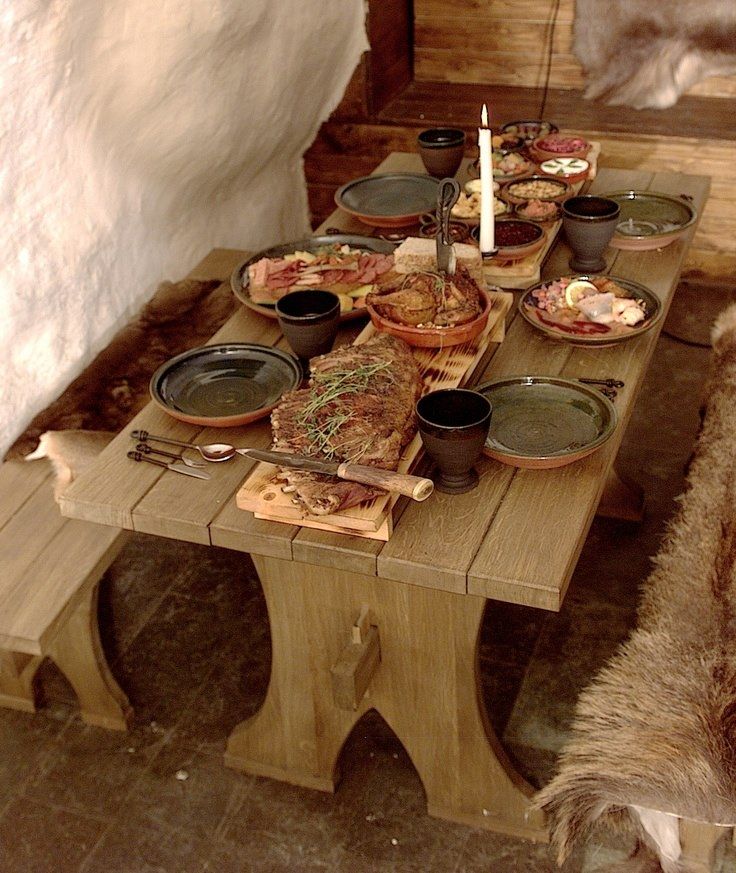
(487,217)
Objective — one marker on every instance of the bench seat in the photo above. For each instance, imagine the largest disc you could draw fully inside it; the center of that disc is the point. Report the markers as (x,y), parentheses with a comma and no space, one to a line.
(50,569)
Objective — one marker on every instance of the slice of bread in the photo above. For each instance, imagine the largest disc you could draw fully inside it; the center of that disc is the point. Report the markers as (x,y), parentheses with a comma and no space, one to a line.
(416,253)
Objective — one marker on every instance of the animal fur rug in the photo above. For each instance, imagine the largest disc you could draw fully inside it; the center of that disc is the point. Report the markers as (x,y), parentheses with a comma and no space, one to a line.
(654,735)
(114,388)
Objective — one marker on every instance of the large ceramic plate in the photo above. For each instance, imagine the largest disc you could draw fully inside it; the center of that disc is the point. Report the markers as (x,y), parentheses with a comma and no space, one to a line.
(239,277)
(652,308)
(540,422)
(649,220)
(389,199)
(224,385)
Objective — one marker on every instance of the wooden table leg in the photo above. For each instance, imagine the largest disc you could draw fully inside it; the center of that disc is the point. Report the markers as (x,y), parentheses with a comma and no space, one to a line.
(621,499)
(77,652)
(425,687)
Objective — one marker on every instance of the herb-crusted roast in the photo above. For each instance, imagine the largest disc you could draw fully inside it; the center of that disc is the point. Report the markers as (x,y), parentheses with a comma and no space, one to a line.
(359,407)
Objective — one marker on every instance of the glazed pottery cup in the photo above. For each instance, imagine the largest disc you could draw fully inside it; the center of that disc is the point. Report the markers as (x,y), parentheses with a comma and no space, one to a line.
(589,222)
(453,425)
(441,150)
(309,320)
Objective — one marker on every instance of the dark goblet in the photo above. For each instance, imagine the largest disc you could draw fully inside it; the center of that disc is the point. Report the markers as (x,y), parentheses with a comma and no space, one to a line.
(441,150)
(589,222)
(309,320)
(453,424)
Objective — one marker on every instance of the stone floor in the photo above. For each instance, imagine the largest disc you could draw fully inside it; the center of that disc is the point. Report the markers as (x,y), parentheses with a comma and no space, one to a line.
(186,632)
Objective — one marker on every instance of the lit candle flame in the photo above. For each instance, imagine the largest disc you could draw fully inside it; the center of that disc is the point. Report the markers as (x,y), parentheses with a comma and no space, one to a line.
(484,116)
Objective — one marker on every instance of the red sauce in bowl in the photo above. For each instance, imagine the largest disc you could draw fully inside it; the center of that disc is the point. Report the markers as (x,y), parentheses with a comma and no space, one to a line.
(513,232)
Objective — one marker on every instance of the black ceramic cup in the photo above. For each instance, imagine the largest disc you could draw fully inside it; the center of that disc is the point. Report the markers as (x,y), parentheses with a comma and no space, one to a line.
(441,150)
(453,425)
(309,320)
(589,222)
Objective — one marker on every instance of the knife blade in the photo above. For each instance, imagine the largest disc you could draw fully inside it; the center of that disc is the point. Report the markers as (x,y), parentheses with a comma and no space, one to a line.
(447,196)
(416,487)
(175,466)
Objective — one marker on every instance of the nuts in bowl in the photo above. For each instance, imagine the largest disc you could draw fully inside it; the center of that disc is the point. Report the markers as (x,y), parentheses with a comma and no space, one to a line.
(536,188)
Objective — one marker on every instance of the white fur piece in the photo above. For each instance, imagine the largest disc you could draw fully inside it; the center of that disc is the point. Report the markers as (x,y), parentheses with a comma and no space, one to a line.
(646,55)
(70,453)
(664,829)
(137,136)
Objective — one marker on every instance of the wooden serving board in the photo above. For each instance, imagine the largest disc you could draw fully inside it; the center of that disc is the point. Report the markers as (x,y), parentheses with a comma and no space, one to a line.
(527,271)
(440,368)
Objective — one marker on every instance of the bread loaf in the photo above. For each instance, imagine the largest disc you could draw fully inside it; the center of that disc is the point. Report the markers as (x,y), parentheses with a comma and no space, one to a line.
(416,254)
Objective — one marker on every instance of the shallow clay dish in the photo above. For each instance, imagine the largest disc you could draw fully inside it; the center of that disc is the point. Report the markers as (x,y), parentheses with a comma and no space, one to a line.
(434,337)
(389,199)
(531,232)
(559,145)
(552,213)
(652,306)
(569,169)
(649,220)
(529,129)
(224,385)
(239,276)
(547,188)
(541,422)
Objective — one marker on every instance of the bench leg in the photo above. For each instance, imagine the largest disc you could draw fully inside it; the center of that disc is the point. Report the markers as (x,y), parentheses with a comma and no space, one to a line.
(77,652)
(698,842)
(16,680)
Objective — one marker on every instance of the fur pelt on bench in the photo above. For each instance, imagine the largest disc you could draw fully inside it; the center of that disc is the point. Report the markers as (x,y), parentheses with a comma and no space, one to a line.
(114,387)
(654,736)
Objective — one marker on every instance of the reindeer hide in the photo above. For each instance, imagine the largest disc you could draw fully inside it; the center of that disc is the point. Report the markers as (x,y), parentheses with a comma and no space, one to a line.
(643,54)
(655,732)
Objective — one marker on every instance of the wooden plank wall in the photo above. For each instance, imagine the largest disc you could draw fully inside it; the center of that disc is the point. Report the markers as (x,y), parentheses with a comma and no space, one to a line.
(506,42)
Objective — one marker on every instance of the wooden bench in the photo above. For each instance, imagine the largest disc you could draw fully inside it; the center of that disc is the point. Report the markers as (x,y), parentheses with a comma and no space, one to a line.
(50,569)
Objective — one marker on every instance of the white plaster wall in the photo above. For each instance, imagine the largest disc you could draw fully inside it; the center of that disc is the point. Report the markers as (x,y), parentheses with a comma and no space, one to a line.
(135,135)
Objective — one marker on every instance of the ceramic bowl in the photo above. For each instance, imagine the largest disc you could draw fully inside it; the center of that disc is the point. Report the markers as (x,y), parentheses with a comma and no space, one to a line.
(540,211)
(530,236)
(559,145)
(570,169)
(529,129)
(467,209)
(649,220)
(434,337)
(536,187)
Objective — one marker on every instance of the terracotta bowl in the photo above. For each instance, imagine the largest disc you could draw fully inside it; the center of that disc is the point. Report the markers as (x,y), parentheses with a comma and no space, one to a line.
(533,232)
(570,169)
(547,188)
(529,129)
(434,337)
(552,212)
(559,145)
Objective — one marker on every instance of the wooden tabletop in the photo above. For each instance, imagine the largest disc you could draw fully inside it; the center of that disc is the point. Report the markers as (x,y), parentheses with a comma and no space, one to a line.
(515,538)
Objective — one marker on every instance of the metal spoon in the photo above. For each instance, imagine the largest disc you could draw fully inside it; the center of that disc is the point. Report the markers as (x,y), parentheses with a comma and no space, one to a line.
(210,452)
(145,449)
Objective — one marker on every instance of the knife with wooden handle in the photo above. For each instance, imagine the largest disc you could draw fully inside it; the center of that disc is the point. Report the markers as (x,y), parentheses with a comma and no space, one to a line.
(415,487)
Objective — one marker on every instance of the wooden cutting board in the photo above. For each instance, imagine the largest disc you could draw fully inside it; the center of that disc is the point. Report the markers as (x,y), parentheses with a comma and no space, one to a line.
(527,271)
(440,368)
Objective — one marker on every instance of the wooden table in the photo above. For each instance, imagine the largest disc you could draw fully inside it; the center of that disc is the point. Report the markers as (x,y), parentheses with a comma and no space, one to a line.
(516,538)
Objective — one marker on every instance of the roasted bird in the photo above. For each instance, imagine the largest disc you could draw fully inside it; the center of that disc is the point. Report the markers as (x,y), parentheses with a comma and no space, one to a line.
(428,299)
